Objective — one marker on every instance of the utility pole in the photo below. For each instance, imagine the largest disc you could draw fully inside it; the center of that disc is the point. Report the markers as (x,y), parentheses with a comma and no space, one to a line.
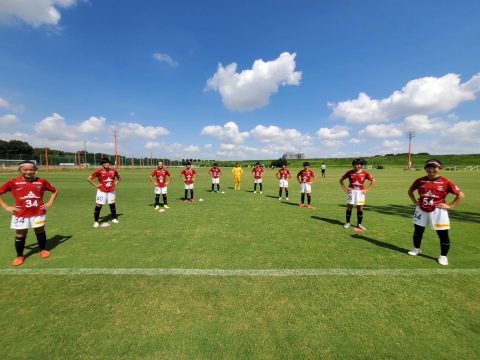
(117,165)
(85,152)
(410,135)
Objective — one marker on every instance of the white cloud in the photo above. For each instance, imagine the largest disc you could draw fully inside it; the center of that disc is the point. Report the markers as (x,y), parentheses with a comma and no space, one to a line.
(192,149)
(92,125)
(129,130)
(391,147)
(207,146)
(355,141)
(151,145)
(422,123)
(228,133)
(426,95)
(54,127)
(33,12)
(165,58)
(4,103)
(9,120)
(252,88)
(337,132)
(279,137)
(378,131)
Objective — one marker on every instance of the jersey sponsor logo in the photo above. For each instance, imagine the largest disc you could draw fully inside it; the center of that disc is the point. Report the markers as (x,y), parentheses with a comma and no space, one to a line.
(30,195)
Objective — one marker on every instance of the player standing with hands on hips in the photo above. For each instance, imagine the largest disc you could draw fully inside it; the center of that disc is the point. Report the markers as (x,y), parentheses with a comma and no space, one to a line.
(188,176)
(306,177)
(29,211)
(431,208)
(356,191)
(162,178)
(107,180)
(283,174)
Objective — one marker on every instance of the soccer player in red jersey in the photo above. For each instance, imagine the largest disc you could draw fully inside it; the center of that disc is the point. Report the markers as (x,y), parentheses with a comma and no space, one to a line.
(283,174)
(215,172)
(162,178)
(107,180)
(356,191)
(431,208)
(188,176)
(306,177)
(257,172)
(29,210)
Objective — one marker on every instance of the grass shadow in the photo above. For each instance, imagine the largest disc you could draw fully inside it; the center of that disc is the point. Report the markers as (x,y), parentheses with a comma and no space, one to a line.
(52,243)
(331,221)
(108,217)
(387,245)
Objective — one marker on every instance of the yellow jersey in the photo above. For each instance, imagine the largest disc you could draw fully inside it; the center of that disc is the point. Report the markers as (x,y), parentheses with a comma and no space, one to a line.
(237,171)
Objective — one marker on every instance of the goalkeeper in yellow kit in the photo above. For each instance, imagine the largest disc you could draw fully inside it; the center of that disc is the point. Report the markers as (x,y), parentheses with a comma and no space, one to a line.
(237,174)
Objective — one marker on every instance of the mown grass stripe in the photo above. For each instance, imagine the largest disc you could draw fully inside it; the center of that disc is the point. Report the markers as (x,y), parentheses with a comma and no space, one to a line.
(240,272)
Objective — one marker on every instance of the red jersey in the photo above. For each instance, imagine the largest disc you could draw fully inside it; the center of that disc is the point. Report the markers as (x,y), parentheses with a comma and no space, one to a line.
(433,191)
(306,175)
(161,176)
(357,179)
(28,195)
(284,173)
(188,174)
(215,172)
(106,179)
(258,172)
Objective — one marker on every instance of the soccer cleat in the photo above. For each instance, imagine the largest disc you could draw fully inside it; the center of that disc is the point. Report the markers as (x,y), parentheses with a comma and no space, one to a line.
(255,192)
(346,225)
(286,198)
(166,206)
(96,224)
(115,221)
(213,191)
(279,198)
(261,192)
(443,260)
(415,252)
(44,253)
(301,205)
(361,227)
(18,260)
(157,207)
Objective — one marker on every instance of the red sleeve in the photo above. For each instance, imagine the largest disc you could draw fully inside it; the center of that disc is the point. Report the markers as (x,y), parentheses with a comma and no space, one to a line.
(94,174)
(313,174)
(182,172)
(299,173)
(452,188)
(6,187)
(48,186)
(369,176)
(153,172)
(414,186)
(345,175)
(167,173)
(117,175)
(194,171)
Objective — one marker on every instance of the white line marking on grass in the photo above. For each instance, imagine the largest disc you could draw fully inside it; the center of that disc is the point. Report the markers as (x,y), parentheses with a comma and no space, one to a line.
(241,272)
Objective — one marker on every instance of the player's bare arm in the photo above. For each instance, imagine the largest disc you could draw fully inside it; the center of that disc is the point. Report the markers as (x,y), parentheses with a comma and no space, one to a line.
(455,201)
(118,179)
(6,207)
(151,179)
(50,201)
(372,182)
(412,197)
(342,184)
(90,181)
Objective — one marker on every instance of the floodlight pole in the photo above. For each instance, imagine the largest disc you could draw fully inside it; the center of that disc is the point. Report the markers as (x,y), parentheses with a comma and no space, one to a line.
(410,135)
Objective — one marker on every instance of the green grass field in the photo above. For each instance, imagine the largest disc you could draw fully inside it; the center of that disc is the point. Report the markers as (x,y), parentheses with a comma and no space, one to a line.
(365,298)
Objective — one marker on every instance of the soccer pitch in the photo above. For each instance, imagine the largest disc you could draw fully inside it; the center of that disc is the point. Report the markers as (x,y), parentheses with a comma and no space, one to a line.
(242,275)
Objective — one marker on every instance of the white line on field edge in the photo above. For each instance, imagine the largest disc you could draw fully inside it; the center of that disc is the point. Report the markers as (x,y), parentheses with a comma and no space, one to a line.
(240,272)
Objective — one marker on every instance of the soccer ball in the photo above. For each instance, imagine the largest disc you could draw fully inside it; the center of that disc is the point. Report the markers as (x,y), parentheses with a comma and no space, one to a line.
(223,192)
(161,210)
(200,199)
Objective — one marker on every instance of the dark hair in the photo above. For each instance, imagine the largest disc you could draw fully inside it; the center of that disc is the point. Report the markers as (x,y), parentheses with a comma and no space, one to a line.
(358,162)
(104,161)
(257,163)
(306,163)
(434,162)
(188,163)
(215,164)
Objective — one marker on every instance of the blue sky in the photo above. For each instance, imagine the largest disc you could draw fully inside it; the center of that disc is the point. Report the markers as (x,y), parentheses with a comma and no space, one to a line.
(241,80)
